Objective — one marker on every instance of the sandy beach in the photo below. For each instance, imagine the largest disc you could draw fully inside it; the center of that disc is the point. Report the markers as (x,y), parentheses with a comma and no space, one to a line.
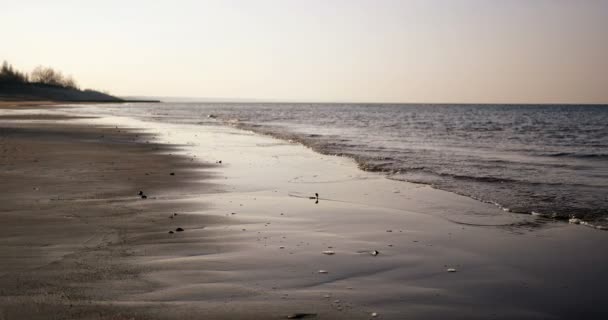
(78,242)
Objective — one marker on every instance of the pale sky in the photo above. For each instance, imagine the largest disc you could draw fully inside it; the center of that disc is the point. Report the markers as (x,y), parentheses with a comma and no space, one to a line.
(509,51)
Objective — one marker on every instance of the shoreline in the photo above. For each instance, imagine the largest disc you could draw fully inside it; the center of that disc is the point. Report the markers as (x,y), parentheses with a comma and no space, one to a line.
(579,219)
(263,261)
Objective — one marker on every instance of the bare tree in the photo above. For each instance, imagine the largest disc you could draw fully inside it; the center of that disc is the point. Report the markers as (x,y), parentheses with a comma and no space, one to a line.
(69,82)
(40,75)
(46,75)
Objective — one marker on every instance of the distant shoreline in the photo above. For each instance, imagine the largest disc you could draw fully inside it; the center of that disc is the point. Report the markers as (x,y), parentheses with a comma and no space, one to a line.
(43,101)
(40,92)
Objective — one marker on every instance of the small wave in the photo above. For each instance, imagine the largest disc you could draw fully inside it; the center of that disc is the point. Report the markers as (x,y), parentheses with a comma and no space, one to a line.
(519,224)
(575,155)
(479,178)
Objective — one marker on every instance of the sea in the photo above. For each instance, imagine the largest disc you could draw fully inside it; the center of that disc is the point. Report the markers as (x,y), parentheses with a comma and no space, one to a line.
(547,160)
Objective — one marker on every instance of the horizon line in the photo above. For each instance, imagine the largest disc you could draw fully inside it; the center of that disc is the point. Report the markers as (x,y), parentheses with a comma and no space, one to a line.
(168,99)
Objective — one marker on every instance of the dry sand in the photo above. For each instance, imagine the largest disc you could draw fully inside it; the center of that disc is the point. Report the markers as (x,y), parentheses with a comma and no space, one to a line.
(78,243)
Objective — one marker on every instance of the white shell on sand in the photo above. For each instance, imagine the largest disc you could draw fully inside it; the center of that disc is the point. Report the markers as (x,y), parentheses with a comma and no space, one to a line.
(451,270)
(329,252)
(574,221)
(322,271)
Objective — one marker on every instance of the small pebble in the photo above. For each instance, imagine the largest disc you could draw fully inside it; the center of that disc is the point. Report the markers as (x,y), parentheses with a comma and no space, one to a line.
(329,252)
(179,229)
(451,270)
(323,271)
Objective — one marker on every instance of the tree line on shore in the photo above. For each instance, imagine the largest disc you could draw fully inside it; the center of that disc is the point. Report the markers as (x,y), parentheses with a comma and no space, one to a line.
(40,75)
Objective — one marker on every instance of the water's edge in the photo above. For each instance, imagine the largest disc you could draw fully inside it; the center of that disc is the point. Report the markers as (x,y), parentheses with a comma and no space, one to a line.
(361,165)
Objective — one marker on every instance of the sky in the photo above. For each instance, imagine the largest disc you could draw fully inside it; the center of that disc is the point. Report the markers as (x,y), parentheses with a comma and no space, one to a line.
(453,51)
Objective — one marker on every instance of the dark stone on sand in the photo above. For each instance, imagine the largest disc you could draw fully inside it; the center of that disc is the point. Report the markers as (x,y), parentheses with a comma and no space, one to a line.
(179,229)
(302,316)
(141,193)
(170,231)
(143,196)
(172,173)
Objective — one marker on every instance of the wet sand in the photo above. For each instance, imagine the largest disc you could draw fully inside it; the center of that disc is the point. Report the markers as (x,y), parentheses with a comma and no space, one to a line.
(85,246)
(70,215)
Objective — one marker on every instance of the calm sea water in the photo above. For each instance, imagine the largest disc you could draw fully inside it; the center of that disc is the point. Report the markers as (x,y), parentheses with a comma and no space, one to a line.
(550,159)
